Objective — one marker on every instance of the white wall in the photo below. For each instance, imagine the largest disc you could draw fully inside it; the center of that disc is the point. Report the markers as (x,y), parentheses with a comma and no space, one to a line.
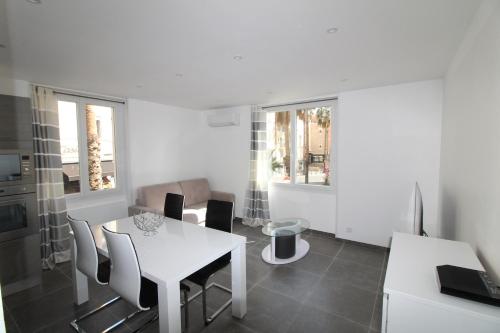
(470,157)
(165,143)
(316,205)
(227,170)
(388,138)
(227,155)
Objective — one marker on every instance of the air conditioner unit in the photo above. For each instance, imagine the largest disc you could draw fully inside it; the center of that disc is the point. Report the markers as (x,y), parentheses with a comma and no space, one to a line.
(221,119)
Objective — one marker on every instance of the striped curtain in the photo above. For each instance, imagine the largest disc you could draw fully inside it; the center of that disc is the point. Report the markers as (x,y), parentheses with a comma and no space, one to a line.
(54,228)
(256,211)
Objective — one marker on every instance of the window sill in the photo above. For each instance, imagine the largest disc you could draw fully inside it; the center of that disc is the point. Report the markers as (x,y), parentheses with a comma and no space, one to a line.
(304,187)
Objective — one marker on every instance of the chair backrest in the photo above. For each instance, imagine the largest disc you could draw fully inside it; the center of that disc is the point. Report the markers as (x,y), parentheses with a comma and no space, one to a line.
(219,215)
(125,276)
(174,206)
(86,251)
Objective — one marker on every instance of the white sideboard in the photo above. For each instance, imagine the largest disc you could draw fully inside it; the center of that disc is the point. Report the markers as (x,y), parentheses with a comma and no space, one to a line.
(412,301)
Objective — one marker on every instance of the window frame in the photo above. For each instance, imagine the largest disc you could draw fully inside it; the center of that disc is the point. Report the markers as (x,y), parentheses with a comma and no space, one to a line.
(119,148)
(293,108)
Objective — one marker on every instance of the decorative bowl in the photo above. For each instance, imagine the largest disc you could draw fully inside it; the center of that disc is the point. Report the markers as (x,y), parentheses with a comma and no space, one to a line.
(148,222)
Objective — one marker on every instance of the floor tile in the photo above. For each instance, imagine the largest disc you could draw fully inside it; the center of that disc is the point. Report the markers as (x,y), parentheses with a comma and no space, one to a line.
(256,248)
(359,275)
(363,254)
(344,300)
(51,281)
(255,232)
(313,263)
(268,311)
(227,324)
(376,323)
(325,246)
(257,270)
(95,323)
(310,319)
(290,281)
(49,309)
(10,325)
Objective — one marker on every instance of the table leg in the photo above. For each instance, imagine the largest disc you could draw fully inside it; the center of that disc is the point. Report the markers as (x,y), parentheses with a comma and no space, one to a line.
(239,280)
(80,281)
(169,307)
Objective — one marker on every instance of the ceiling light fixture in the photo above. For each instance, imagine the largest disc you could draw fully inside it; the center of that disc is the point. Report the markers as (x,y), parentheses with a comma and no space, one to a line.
(36,2)
(332,30)
(238,57)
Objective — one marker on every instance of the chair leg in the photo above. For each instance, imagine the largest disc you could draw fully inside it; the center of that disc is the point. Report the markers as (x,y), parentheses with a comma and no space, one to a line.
(203,293)
(204,302)
(186,312)
(74,323)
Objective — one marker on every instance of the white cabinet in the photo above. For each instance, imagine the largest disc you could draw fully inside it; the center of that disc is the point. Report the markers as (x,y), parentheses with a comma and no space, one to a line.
(412,301)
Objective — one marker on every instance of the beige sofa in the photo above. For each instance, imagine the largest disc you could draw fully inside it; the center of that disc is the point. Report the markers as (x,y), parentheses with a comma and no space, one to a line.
(196,194)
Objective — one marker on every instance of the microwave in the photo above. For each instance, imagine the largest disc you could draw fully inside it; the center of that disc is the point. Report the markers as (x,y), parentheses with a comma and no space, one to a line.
(16,167)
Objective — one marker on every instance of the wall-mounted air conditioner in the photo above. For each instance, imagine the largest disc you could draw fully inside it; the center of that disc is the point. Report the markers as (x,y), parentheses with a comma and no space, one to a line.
(223,118)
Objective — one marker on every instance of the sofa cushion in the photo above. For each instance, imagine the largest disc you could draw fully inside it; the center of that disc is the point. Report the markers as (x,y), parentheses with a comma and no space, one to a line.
(195,191)
(154,195)
(195,213)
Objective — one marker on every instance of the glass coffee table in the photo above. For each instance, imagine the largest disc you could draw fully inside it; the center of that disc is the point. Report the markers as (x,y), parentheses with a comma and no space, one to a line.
(286,244)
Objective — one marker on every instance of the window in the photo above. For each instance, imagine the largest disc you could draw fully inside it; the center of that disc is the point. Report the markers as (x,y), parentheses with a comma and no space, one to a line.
(300,143)
(88,147)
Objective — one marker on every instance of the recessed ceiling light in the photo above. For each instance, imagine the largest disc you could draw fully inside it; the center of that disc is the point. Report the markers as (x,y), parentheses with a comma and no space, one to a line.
(238,57)
(179,74)
(332,30)
(36,2)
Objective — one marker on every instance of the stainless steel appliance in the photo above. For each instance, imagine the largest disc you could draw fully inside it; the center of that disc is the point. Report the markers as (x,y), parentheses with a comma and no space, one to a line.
(20,263)
(19,238)
(16,167)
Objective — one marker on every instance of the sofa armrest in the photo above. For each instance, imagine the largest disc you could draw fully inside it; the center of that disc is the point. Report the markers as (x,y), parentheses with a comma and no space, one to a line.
(222,196)
(133,210)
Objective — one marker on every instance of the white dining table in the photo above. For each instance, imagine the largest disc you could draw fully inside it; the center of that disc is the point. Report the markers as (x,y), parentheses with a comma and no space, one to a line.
(166,258)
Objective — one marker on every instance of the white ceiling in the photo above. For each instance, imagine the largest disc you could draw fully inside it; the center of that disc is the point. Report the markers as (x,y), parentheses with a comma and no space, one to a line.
(113,46)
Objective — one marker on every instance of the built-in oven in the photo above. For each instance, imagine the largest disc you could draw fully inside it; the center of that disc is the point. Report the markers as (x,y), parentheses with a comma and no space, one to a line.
(18,211)
(20,266)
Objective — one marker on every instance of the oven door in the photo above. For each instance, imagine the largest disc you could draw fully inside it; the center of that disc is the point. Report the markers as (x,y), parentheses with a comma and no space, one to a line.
(18,216)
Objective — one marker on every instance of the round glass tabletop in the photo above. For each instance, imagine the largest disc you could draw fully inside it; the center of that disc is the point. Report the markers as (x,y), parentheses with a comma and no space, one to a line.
(285,227)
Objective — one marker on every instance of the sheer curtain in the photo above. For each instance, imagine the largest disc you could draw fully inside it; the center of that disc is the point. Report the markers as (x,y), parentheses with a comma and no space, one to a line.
(54,227)
(256,211)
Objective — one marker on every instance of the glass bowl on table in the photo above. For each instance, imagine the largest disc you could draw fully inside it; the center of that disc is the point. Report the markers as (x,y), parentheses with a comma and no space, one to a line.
(148,222)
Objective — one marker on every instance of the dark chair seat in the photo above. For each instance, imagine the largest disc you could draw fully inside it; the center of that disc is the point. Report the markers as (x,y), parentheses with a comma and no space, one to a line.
(103,271)
(149,292)
(201,276)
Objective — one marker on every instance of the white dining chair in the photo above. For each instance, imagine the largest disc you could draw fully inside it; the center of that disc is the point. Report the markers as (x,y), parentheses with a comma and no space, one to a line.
(89,262)
(126,279)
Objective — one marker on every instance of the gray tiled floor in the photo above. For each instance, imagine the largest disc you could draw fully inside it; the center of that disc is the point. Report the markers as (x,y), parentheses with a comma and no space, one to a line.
(335,288)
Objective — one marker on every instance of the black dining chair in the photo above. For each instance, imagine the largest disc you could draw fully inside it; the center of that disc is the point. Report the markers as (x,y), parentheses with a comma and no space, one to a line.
(219,216)
(174,206)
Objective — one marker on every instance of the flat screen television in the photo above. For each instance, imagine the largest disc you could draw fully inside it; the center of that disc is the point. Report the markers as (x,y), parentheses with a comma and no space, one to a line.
(416,213)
